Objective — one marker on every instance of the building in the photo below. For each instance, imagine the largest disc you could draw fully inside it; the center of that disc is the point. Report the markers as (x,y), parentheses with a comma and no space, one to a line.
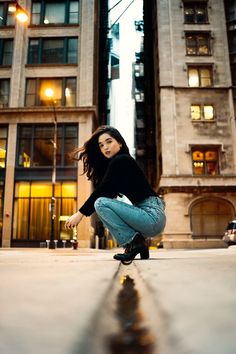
(48,79)
(230,11)
(195,120)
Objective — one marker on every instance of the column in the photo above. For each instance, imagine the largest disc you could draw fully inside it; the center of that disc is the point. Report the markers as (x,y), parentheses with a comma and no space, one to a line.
(9,186)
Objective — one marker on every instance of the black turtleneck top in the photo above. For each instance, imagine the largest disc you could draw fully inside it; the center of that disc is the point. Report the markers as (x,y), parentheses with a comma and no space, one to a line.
(123,176)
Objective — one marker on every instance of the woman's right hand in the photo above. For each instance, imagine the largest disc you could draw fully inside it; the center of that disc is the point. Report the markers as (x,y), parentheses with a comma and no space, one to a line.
(73,220)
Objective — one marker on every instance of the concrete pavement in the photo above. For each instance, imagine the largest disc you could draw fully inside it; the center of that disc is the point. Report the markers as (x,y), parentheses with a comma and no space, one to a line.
(75,302)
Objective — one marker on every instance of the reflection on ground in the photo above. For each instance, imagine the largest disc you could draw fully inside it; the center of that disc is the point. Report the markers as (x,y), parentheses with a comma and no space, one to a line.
(133,337)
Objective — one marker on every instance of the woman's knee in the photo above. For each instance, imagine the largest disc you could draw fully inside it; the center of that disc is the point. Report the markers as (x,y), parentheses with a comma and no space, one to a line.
(100,203)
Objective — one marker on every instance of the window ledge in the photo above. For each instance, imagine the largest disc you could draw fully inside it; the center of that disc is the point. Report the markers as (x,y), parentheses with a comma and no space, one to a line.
(197,23)
(49,65)
(199,55)
(203,121)
(6,27)
(54,25)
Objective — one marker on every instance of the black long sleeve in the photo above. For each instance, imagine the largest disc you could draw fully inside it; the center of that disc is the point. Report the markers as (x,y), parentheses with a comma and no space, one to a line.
(123,176)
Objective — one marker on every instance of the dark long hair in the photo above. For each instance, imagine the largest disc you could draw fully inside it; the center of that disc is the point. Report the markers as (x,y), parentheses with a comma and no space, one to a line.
(94,162)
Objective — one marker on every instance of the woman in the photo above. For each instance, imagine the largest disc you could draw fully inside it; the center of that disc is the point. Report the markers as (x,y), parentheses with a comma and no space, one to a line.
(108,164)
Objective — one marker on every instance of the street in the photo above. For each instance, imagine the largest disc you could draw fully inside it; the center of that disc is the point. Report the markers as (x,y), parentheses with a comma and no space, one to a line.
(83,302)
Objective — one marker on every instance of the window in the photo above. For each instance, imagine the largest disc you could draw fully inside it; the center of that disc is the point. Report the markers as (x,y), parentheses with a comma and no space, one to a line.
(200,76)
(64,91)
(115,67)
(233,74)
(230,10)
(32,220)
(232,41)
(197,43)
(205,161)
(35,148)
(6,51)
(53,50)
(47,12)
(3,146)
(195,12)
(4,92)
(204,112)
(7,18)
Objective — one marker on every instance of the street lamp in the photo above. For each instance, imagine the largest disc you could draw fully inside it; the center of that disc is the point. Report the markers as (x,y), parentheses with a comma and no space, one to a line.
(20,13)
(49,94)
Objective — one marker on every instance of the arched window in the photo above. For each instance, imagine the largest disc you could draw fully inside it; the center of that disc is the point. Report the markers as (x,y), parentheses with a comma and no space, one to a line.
(210,216)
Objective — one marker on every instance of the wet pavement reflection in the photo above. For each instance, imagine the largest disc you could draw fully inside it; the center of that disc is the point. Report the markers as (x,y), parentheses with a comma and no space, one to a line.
(133,337)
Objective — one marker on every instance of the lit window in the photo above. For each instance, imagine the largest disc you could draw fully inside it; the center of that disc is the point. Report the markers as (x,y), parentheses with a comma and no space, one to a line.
(31,217)
(198,43)
(202,112)
(195,112)
(3,146)
(200,76)
(208,112)
(205,161)
(64,92)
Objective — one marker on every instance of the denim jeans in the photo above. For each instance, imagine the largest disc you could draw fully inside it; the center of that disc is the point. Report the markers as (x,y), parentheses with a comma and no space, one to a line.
(125,220)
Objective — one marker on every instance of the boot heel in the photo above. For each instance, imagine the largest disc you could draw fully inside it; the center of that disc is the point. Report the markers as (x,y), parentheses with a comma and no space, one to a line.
(145,253)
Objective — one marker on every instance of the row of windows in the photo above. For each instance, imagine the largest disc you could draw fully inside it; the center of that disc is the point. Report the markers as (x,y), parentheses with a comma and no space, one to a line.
(44,12)
(65,88)
(35,148)
(64,50)
(43,51)
(64,92)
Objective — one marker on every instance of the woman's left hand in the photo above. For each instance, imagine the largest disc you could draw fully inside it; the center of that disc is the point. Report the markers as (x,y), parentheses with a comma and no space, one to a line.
(73,220)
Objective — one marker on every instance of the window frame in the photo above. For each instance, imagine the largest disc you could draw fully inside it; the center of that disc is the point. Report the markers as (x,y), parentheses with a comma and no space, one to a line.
(201,111)
(2,51)
(206,163)
(42,12)
(195,5)
(198,45)
(3,139)
(199,69)
(7,16)
(32,139)
(40,50)
(8,93)
(36,94)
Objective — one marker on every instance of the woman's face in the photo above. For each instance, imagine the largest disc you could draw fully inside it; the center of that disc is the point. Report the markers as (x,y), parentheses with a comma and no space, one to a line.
(109,146)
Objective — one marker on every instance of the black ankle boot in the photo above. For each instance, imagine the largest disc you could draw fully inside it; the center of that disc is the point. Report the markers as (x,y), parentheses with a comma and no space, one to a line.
(143,254)
(136,246)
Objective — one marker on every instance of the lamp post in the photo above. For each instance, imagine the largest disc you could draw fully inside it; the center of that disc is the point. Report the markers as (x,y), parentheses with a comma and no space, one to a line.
(49,94)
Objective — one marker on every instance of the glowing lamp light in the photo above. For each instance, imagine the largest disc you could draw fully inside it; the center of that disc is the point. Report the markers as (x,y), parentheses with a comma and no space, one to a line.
(22,16)
(49,92)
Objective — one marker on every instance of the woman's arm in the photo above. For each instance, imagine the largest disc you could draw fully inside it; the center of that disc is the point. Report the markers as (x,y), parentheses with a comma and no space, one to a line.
(73,220)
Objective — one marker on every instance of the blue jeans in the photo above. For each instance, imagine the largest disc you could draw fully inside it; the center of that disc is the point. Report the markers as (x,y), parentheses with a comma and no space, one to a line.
(125,220)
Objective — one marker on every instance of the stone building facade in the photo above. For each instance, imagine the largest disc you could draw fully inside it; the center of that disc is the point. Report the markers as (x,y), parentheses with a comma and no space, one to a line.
(196,135)
(56,50)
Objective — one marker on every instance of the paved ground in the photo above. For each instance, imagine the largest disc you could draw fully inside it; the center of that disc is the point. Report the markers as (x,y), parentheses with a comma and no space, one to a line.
(84,302)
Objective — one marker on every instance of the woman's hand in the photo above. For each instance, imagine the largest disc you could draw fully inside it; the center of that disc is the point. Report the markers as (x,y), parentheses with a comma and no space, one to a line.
(73,220)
